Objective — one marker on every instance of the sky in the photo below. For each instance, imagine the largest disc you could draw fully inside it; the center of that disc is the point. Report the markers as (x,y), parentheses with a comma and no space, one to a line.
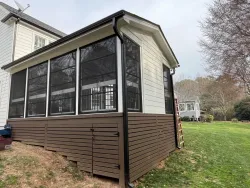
(179,21)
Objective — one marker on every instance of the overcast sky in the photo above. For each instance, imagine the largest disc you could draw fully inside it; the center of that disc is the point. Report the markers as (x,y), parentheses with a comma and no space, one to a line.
(178,20)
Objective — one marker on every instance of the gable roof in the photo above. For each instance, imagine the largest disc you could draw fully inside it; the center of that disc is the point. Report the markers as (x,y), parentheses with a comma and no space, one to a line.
(84,30)
(24,17)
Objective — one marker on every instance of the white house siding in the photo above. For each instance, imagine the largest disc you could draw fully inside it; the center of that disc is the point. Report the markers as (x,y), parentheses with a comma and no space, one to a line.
(152,60)
(25,38)
(24,45)
(6,39)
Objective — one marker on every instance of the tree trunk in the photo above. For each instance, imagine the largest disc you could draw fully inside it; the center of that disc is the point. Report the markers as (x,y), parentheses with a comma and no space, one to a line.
(225,118)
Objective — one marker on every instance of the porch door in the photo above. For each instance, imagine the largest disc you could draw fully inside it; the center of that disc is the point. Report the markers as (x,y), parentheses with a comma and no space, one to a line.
(106,150)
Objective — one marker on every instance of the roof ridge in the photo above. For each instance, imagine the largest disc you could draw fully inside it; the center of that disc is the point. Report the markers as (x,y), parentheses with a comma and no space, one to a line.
(32,20)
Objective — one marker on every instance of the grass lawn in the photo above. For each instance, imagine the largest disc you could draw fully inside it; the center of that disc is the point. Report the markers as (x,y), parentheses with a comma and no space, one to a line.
(216,155)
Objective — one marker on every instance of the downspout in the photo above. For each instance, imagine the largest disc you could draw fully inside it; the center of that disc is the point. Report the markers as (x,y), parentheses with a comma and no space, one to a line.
(174,111)
(125,109)
(12,59)
(14,39)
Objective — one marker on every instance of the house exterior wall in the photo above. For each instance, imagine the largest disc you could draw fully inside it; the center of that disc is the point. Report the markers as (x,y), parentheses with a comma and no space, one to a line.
(66,134)
(24,44)
(191,113)
(25,39)
(151,138)
(152,60)
(6,49)
(94,141)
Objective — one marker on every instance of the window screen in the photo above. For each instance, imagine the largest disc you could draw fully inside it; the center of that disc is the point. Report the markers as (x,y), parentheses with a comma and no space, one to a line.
(17,95)
(37,90)
(133,78)
(98,76)
(62,84)
(182,107)
(190,106)
(167,90)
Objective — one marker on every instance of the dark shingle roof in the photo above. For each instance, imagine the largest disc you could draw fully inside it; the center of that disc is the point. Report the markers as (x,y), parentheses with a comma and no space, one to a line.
(32,20)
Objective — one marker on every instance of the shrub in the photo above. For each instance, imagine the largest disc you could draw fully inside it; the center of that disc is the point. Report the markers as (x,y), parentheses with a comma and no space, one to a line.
(242,109)
(209,118)
(234,120)
(185,118)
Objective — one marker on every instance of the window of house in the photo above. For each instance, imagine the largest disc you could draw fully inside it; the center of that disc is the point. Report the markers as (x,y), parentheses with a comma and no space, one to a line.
(37,90)
(182,107)
(17,95)
(98,76)
(167,90)
(39,42)
(63,84)
(133,76)
(190,106)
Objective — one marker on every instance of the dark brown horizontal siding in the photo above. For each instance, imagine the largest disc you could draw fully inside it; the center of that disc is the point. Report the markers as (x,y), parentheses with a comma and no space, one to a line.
(151,138)
(90,140)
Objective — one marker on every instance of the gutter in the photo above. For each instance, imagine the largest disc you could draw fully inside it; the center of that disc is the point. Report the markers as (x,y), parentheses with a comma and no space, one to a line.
(14,40)
(69,37)
(174,110)
(125,109)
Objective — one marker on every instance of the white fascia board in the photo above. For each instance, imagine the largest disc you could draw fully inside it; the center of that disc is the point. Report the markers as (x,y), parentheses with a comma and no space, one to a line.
(156,32)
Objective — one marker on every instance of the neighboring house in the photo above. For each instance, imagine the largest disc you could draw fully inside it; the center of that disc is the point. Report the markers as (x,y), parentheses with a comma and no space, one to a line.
(20,34)
(101,96)
(190,108)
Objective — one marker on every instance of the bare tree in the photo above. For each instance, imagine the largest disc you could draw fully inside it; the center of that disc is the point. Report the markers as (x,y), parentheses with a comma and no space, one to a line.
(226,39)
(186,89)
(221,94)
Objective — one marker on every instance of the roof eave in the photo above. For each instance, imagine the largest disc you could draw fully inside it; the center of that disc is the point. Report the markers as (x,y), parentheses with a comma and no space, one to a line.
(65,39)
(95,25)
(8,17)
(160,32)
(12,15)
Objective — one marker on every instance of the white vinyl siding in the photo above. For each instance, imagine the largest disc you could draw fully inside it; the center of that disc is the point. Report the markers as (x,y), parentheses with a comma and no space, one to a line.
(152,60)
(25,40)
(6,40)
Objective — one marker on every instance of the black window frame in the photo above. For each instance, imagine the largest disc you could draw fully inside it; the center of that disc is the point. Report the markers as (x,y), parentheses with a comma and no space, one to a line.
(116,78)
(139,76)
(24,90)
(27,94)
(169,109)
(49,88)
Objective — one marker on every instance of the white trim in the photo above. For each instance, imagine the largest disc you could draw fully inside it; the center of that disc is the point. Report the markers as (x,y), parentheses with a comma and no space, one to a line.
(14,40)
(69,90)
(98,110)
(9,92)
(157,33)
(26,90)
(18,100)
(47,96)
(77,79)
(99,84)
(142,79)
(38,96)
(119,75)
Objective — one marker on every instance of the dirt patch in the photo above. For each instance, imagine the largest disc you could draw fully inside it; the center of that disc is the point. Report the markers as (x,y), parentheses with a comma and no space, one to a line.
(26,166)
(161,165)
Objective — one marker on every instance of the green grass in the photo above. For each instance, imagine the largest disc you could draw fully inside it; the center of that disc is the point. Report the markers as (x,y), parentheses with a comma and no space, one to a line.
(216,155)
